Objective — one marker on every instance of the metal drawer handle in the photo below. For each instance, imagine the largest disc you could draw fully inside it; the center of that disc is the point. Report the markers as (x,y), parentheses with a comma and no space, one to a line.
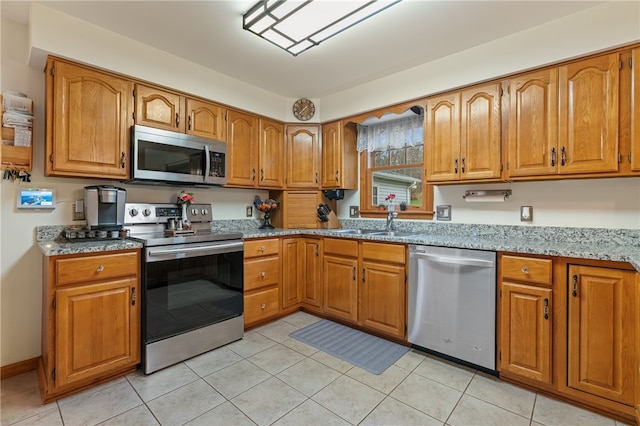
(525,270)
(100,268)
(546,309)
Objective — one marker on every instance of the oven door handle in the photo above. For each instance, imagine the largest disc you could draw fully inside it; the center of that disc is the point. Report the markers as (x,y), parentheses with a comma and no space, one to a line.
(200,250)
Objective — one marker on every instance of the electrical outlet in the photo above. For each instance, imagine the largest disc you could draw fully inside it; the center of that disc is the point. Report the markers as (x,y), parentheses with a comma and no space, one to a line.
(443,212)
(78,210)
(354,211)
(249,211)
(526,214)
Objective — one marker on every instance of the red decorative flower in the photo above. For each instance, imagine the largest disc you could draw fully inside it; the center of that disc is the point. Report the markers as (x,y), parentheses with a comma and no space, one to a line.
(185,199)
(390,197)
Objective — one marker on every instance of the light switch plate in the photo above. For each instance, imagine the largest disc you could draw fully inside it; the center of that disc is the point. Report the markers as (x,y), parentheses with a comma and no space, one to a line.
(354,211)
(78,210)
(249,212)
(443,212)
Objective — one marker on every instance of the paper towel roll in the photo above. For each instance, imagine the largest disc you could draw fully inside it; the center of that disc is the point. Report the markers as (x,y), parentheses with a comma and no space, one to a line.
(485,198)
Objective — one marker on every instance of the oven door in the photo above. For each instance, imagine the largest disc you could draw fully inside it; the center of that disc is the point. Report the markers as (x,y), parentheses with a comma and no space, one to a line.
(190,286)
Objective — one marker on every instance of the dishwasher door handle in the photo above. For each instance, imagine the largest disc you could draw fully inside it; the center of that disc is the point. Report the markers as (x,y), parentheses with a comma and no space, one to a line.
(463,261)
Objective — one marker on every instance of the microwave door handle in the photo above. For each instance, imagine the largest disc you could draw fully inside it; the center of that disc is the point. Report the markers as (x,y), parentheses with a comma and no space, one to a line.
(207,164)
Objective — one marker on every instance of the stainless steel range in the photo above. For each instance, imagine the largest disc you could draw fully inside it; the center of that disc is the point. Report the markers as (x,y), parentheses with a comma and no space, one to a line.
(192,283)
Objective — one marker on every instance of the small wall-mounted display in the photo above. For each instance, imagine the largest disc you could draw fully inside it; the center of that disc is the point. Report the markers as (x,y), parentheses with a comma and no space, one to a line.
(36,198)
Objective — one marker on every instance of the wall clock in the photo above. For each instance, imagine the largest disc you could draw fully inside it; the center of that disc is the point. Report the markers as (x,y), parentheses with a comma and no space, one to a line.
(303,109)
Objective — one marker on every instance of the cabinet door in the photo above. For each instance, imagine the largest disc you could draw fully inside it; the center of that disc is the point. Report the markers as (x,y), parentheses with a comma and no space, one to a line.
(588,123)
(89,112)
(331,155)
(480,132)
(383,298)
(312,283)
(206,119)
(525,331)
(159,108)
(533,124)
(293,273)
(303,152)
(635,110)
(97,329)
(600,335)
(271,154)
(242,144)
(443,138)
(340,287)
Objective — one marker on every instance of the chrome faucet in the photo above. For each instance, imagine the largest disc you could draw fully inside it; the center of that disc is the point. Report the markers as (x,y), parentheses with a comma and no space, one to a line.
(390,225)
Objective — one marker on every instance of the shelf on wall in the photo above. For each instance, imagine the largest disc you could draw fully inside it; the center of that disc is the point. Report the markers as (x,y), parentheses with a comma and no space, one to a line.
(11,156)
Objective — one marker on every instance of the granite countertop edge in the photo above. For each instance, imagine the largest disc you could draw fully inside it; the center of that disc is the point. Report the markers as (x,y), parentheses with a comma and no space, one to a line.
(600,251)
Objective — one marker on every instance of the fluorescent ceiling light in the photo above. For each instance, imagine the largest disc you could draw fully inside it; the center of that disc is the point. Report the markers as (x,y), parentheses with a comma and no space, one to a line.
(296,25)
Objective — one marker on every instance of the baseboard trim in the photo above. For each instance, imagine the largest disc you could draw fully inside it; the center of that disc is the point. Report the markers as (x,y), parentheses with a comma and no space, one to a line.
(18,368)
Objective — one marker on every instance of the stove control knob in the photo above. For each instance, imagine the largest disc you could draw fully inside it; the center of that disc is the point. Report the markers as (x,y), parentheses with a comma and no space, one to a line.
(133,212)
(146,212)
(205,212)
(194,212)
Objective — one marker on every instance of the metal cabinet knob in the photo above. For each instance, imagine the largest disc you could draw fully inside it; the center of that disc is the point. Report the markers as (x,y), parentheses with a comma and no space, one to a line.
(263,306)
(262,248)
(525,270)
(100,268)
(262,274)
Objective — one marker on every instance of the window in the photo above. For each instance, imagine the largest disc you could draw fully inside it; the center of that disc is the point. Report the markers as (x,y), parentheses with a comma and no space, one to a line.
(392,161)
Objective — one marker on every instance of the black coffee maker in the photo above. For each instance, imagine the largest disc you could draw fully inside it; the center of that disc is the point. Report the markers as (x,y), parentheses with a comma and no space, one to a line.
(104,207)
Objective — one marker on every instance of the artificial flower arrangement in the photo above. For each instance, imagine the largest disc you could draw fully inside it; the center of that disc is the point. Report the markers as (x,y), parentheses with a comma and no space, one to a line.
(185,199)
(390,197)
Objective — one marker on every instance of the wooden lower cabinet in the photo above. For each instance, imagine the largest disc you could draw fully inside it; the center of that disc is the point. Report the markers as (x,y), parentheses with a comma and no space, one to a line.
(570,327)
(302,272)
(91,326)
(600,352)
(525,304)
(262,280)
(365,283)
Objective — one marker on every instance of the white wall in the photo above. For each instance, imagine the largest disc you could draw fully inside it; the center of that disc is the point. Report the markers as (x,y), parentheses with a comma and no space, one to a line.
(611,203)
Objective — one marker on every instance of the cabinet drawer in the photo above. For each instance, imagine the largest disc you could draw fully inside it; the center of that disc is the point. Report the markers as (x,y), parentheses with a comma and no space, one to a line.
(528,269)
(261,305)
(383,252)
(76,270)
(261,272)
(341,247)
(254,248)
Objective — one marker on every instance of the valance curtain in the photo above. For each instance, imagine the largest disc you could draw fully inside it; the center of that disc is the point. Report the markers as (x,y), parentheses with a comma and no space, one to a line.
(391,134)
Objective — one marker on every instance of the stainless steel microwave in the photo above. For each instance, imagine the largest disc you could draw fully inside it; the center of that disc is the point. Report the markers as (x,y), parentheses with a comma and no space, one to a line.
(164,157)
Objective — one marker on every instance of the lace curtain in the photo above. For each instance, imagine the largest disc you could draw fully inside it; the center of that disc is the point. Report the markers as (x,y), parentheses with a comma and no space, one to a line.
(391,134)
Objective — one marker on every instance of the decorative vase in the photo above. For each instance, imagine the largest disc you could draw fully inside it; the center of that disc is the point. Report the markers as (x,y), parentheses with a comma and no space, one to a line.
(266,224)
(390,207)
(186,225)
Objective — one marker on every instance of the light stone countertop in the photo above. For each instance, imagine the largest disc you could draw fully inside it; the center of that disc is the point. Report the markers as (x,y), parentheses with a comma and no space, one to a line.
(622,245)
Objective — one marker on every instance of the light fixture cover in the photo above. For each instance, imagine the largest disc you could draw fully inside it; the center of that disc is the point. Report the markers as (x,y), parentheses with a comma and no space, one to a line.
(296,26)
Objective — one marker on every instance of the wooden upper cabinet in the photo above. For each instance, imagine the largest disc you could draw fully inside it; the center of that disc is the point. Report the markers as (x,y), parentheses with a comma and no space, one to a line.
(533,124)
(480,121)
(303,156)
(589,115)
(167,110)
(242,149)
(443,138)
(463,135)
(271,154)
(635,110)
(206,119)
(159,108)
(339,156)
(88,122)
(255,149)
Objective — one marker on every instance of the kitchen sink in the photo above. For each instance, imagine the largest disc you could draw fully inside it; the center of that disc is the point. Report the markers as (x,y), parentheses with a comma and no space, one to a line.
(376,232)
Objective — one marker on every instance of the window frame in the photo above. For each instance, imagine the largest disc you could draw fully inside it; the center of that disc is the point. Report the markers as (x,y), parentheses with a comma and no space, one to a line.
(367,210)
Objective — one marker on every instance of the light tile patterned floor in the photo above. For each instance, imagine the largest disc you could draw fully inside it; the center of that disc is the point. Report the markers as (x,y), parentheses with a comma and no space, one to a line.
(269,378)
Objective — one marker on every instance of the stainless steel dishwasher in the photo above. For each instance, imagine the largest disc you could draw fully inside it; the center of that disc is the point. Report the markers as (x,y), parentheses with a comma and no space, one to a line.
(452,303)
